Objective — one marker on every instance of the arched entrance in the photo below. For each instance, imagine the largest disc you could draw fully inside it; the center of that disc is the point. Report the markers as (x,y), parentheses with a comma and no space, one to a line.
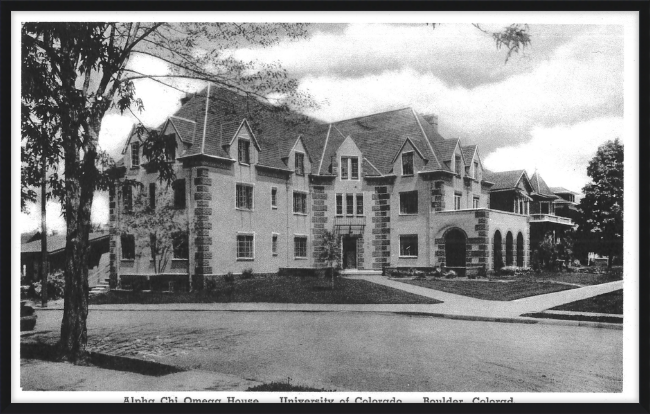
(520,250)
(509,249)
(498,254)
(455,245)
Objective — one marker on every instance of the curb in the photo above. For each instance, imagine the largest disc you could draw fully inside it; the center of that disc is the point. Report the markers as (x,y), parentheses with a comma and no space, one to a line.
(524,320)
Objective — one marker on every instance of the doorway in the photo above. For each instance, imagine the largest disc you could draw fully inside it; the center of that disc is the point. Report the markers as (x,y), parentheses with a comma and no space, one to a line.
(455,246)
(349,252)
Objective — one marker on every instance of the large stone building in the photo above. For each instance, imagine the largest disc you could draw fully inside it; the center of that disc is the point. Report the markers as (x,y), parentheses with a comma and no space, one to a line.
(261,189)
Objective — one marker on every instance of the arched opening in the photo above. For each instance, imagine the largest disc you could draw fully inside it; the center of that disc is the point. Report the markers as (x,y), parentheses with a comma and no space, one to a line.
(498,254)
(520,250)
(509,249)
(455,246)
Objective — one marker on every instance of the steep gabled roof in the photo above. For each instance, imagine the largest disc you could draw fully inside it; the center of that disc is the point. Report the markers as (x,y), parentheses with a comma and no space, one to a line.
(446,148)
(468,153)
(504,180)
(562,190)
(57,243)
(539,186)
(184,127)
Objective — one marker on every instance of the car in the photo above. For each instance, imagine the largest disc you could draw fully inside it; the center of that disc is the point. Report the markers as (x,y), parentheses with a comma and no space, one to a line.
(27,317)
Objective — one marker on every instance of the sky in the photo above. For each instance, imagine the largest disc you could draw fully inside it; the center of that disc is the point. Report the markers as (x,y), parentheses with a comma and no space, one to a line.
(547,109)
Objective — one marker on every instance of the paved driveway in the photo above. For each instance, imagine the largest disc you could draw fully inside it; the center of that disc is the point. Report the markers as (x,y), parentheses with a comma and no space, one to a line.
(364,352)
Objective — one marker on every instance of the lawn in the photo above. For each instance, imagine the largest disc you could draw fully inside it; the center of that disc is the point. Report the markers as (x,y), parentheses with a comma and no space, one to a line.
(578,278)
(502,291)
(611,302)
(274,289)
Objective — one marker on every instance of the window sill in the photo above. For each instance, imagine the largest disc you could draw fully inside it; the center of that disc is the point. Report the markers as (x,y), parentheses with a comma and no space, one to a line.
(408,214)
(137,167)
(407,257)
(274,207)
(299,258)
(247,164)
(299,174)
(408,175)
(243,209)
(245,259)
(299,214)
(179,260)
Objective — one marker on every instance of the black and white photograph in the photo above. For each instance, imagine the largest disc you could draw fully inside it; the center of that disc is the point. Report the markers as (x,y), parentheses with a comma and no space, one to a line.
(366,207)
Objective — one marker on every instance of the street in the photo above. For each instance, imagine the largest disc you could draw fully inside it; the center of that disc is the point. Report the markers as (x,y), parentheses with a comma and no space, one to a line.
(364,351)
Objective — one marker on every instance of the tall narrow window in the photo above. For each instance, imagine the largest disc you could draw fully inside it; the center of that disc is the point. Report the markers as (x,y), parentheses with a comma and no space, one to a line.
(245,246)
(457,197)
(349,204)
(407,163)
(300,247)
(476,170)
(274,244)
(299,203)
(152,196)
(475,202)
(128,246)
(300,163)
(274,197)
(458,164)
(408,202)
(127,198)
(544,208)
(179,193)
(180,245)
(135,154)
(339,204)
(244,197)
(360,204)
(344,168)
(354,168)
(244,151)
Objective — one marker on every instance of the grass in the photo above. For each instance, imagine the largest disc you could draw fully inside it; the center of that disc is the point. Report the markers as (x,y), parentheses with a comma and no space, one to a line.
(274,289)
(500,291)
(611,302)
(578,278)
(284,386)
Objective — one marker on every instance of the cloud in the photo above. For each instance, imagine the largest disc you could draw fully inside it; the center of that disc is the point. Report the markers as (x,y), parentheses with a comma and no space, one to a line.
(560,153)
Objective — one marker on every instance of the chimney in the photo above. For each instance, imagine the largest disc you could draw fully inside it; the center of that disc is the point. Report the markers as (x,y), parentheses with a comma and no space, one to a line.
(432,120)
(186,98)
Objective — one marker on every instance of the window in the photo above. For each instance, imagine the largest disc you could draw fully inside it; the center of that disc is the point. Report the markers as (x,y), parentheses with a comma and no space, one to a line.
(244,197)
(127,198)
(244,154)
(457,197)
(407,163)
(152,196)
(171,149)
(180,244)
(458,165)
(408,202)
(360,204)
(128,246)
(135,154)
(476,170)
(300,163)
(245,246)
(339,204)
(274,197)
(274,244)
(544,207)
(408,245)
(349,204)
(179,193)
(152,244)
(299,203)
(521,207)
(300,247)
(475,203)
(349,168)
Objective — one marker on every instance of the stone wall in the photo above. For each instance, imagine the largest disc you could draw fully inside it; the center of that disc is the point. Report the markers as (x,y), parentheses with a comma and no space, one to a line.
(380,227)
(203,222)
(319,221)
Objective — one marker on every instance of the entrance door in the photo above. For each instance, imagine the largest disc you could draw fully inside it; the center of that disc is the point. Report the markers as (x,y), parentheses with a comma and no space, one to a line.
(349,253)
(455,246)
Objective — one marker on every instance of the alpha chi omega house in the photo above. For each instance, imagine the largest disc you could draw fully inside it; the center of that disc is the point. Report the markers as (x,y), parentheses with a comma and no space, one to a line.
(259,188)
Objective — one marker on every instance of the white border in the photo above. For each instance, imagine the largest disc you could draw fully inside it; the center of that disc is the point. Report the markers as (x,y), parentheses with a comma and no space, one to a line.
(630,21)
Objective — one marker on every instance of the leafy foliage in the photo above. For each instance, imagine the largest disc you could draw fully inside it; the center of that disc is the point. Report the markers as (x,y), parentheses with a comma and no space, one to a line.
(331,252)
(155,230)
(601,223)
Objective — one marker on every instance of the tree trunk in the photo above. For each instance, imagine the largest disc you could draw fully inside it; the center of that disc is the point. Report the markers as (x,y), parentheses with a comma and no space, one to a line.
(44,261)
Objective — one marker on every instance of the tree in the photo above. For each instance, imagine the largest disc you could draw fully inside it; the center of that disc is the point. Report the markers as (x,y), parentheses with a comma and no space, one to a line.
(331,252)
(160,229)
(74,73)
(601,222)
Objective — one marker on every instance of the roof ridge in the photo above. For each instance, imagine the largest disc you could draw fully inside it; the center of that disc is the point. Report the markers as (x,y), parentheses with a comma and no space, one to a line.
(376,113)
(426,138)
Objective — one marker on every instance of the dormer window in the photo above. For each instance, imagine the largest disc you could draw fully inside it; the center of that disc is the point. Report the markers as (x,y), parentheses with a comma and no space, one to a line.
(135,154)
(475,170)
(349,168)
(299,163)
(458,166)
(244,153)
(407,163)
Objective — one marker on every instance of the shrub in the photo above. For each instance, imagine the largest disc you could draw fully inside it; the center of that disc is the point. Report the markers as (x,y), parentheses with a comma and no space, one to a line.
(210,284)
(55,287)
(247,274)
(508,270)
(229,278)
(450,274)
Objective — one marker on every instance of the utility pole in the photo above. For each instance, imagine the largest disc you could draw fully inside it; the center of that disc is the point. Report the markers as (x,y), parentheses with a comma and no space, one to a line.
(44,261)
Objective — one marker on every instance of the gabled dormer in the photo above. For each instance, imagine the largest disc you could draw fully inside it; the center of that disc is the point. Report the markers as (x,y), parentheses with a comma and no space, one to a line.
(241,145)
(299,160)
(457,161)
(408,160)
(349,160)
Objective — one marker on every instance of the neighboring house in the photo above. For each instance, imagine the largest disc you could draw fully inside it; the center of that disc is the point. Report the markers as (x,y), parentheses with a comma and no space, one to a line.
(565,204)
(30,257)
(260,192)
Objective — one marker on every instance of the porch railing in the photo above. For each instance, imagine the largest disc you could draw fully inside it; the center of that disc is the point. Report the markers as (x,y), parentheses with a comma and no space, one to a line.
(550,218)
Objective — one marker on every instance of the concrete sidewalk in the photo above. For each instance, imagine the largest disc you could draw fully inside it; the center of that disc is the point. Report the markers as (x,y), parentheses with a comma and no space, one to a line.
(453,306)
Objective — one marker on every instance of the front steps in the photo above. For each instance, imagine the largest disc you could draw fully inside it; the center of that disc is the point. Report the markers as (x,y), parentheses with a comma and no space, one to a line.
(100,288)
(351,273)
